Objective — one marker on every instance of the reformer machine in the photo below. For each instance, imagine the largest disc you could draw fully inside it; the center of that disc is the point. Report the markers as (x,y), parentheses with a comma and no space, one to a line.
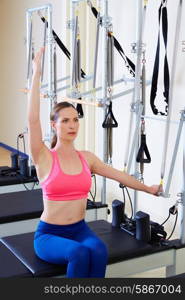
(16,177)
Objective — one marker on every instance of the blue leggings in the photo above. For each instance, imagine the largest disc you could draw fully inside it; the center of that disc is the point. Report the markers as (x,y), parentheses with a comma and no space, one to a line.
(75,245)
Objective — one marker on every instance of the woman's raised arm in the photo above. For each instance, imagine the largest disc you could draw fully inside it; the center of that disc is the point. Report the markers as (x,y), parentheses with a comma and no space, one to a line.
(36,145)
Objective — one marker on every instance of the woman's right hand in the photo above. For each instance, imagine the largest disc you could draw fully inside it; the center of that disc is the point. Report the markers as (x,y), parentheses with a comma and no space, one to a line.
(37,69)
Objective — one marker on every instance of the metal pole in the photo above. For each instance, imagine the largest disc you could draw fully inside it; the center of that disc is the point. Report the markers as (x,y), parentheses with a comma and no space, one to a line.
(91,92)
(28,47)
(137,88)
(96,50)
(171,89)
(44,45)
(181,201)
(172,165)
(72,27)
(34,9)
(105,21)
(135,138)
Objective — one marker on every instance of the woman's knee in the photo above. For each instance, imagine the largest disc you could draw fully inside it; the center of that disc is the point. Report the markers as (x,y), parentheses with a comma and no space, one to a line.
(79,252)
(99,249)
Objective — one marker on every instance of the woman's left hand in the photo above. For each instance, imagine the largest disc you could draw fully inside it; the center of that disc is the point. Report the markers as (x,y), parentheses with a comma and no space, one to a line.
(156,190)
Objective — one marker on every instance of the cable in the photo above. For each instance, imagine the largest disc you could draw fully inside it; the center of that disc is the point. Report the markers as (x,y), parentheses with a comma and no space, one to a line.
(123,195)
(94,186)
(124,198)
(166,219)
(21,181)
(173,226)
(130,203)
(27,189)
(172,211)
(94,196)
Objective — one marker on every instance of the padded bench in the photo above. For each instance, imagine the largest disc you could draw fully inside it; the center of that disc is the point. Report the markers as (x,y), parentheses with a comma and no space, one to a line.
(19,206)
(16,179)
(121,246)
(26,205)
(17,269)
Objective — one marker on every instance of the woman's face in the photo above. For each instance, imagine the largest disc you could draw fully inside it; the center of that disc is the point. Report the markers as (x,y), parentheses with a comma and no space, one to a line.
(67,124)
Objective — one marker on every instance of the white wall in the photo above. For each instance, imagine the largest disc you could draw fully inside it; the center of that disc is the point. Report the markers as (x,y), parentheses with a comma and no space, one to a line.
(123,13)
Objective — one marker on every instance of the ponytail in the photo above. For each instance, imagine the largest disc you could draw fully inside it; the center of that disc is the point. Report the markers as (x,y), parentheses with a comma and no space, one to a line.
(53,141)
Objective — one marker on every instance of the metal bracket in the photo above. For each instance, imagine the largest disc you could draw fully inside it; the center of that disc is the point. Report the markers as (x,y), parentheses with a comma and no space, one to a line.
(137,175)
(134,107)
(134,46)
(101,103)
(183,44)
(50,96)
(180,198)
(75,94)
(70,24)
(106,21)
(162,194)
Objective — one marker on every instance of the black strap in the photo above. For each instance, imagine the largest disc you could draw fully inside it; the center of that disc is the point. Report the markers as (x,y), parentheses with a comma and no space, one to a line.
(110,121)
(62,46)
(143,150)
(129,64)
(162,15)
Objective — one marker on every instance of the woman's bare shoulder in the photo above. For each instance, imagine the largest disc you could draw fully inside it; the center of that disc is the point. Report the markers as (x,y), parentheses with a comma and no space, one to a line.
(86,153)
(88,156)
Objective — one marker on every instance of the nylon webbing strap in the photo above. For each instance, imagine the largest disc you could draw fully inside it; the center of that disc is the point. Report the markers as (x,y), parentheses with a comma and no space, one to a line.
(62,46)
(162,15)
(129,64)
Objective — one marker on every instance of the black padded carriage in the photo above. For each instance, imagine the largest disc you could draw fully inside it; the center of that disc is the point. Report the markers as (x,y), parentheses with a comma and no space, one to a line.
(14,178)
(121,246)
(10,265)
(21,205)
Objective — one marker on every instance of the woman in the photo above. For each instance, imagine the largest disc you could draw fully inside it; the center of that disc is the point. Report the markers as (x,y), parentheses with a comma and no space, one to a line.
(62,235)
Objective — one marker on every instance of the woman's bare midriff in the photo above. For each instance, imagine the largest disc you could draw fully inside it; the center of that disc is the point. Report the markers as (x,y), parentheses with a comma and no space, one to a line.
(63,212)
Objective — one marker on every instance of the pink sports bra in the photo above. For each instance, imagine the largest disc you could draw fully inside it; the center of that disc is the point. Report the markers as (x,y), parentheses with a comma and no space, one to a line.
(60,186)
